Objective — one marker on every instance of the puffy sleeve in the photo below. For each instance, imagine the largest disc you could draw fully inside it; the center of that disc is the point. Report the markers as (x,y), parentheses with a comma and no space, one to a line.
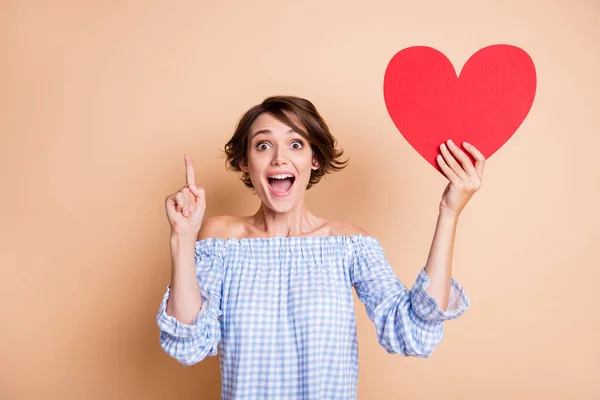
(407,322)
(190,344)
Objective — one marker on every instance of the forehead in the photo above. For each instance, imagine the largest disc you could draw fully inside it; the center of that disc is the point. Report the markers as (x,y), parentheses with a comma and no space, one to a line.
(266,122)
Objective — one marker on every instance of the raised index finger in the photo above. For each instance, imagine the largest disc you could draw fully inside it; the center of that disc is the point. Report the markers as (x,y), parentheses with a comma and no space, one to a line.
(189,170)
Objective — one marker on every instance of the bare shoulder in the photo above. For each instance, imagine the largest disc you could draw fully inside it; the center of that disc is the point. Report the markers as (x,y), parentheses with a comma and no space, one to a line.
(340,228)
(220,226)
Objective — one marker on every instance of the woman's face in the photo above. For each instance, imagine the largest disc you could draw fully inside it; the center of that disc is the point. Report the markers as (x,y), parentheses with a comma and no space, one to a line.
(275,152)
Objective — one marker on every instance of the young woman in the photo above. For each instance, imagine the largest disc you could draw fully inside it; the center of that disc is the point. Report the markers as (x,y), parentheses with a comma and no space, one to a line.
(273,290)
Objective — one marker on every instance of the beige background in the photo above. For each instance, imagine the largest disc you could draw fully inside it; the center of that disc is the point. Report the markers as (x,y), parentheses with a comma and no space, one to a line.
(100,100)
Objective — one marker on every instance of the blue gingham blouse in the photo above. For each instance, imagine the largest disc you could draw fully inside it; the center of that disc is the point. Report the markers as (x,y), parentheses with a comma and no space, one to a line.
(281,312)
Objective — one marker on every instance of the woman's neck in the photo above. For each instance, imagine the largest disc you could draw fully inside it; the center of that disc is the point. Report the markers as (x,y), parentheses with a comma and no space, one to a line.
(297,222)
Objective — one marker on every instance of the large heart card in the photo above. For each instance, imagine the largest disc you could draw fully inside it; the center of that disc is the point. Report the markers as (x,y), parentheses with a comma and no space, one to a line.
(483,105)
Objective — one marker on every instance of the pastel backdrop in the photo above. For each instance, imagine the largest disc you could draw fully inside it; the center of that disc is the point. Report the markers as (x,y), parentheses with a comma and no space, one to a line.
(99,101)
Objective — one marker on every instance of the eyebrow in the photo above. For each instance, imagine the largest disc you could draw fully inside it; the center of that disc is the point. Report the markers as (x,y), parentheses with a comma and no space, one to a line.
(258,132)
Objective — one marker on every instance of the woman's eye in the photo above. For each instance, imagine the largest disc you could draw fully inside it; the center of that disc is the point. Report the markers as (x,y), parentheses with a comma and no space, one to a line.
(297,144)
(261,146)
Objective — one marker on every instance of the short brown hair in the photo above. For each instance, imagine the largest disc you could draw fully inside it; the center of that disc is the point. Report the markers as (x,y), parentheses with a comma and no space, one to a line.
(312,127)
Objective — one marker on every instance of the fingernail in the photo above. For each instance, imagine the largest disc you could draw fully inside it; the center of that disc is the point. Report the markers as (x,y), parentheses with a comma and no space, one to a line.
(450,142)
(466,144)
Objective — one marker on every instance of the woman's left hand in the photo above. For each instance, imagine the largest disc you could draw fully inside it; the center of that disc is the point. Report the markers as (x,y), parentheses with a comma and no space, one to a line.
(465,178)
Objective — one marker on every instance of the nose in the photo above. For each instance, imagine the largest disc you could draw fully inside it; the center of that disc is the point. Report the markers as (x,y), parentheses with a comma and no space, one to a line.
(279,157)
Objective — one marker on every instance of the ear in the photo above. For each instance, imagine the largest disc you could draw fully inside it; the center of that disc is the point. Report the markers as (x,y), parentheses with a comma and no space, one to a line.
(243,166)
(315,163)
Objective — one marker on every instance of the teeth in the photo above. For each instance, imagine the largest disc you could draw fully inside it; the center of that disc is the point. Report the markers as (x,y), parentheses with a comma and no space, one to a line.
(282,176)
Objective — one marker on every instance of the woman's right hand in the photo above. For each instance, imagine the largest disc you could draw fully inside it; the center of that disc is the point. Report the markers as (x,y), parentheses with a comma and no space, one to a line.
(185,209)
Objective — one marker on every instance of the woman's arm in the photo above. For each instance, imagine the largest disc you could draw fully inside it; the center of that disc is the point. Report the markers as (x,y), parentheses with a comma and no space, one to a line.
(465,179)
(439,261)
(188,315)
(185,301)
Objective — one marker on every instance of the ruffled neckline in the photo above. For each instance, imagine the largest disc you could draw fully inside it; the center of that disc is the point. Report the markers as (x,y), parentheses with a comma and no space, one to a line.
(290,240)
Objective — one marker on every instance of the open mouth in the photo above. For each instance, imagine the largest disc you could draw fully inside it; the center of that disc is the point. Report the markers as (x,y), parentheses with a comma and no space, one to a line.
(281,185)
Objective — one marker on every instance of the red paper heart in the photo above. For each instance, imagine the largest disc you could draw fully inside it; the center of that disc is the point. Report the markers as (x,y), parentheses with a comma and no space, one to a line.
(483,106)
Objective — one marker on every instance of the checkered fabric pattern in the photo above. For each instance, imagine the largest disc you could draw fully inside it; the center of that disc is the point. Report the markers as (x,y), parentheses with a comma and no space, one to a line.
(281,313)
